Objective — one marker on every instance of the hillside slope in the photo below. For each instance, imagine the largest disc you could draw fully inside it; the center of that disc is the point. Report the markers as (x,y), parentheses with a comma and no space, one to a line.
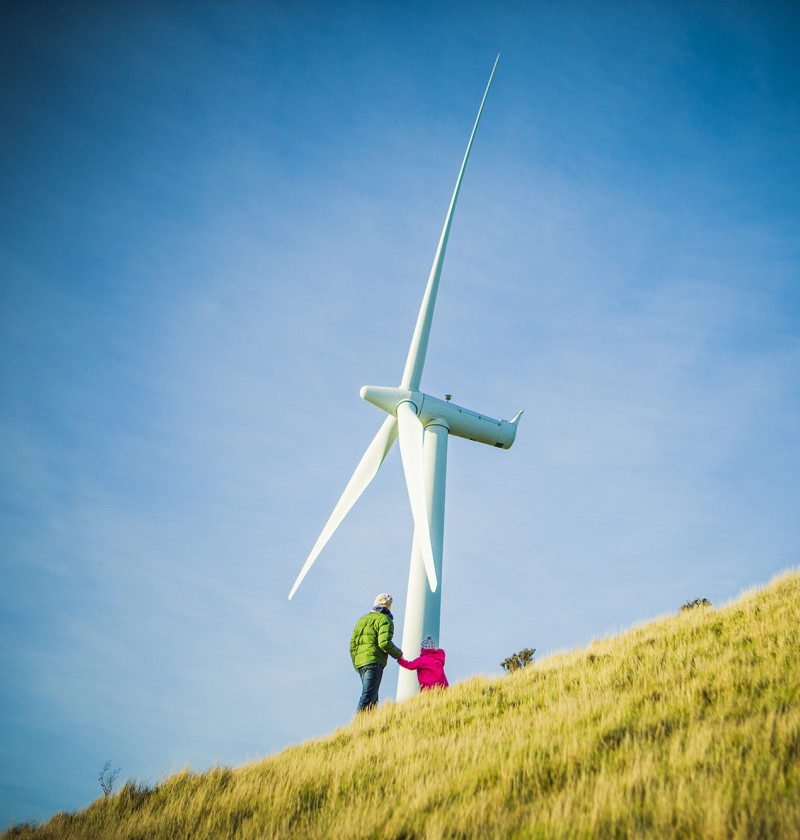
(686,727)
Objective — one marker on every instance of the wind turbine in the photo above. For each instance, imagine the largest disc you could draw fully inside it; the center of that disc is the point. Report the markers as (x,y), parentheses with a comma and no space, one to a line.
(423,424)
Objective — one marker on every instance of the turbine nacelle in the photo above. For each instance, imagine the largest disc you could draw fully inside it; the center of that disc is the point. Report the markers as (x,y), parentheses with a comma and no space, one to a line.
(459,421)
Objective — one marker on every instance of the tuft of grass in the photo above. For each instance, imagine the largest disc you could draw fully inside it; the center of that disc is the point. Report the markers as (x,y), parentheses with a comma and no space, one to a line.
(687,727)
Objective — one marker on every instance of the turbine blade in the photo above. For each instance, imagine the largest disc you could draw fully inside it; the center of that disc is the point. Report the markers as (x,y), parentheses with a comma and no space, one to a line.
(419,343)
(411,433)
(365,471)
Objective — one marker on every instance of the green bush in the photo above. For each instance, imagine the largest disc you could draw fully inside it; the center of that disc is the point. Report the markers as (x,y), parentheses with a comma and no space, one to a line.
(698,602)
(517,661)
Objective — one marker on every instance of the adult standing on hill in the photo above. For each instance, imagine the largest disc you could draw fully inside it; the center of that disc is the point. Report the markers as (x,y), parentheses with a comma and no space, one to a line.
(370,647)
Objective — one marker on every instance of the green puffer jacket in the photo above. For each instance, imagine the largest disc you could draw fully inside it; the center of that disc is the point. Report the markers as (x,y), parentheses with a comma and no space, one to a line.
(371,641)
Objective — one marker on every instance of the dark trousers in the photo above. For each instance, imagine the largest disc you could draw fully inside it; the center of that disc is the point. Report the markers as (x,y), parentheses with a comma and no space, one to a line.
(371,676)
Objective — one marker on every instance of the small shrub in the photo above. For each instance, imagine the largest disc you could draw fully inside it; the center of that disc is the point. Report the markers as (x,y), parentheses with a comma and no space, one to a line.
(517,661)
(107,778)
(698,602)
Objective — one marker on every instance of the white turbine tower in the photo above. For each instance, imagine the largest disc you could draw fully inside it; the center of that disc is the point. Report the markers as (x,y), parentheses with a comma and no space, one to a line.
(423,424)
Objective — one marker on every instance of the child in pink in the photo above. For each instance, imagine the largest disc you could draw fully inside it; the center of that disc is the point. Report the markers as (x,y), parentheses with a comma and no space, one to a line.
(429,666)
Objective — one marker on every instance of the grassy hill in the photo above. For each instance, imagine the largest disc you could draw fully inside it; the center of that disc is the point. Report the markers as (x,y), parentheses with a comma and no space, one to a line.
(686,727)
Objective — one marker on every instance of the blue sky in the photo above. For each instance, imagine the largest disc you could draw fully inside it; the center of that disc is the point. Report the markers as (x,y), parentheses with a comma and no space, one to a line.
(216,225)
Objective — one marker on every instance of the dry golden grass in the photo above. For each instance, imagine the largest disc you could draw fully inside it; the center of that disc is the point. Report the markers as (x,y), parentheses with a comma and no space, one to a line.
(688,727)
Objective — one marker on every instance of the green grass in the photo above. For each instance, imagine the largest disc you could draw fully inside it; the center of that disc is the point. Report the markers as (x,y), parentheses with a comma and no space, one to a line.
(687,727)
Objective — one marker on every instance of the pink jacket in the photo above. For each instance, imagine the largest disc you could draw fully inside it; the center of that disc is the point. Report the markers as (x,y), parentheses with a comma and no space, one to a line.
(429,667)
